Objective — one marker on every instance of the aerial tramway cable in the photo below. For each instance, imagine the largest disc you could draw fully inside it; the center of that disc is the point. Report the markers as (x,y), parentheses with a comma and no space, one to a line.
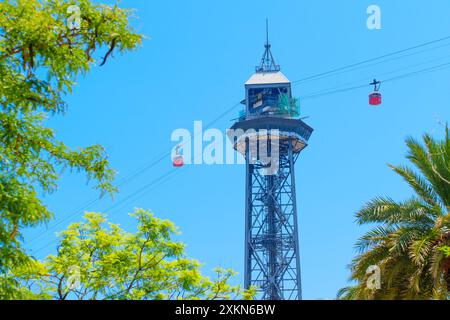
(333,71)
(126,179)
(321,75)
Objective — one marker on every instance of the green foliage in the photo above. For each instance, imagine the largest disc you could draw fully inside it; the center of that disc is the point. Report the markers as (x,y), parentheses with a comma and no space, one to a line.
(290,106)
(411,239)
(40,59)
(99,260)
(446,250)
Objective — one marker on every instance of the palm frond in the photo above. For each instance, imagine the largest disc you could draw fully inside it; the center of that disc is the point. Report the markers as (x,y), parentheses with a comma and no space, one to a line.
(348,293)
(420,249)
(377,210)
(421,186)
(374,237)
(427,159)
(401,239)
(375,256)
(388,211)
(407,239)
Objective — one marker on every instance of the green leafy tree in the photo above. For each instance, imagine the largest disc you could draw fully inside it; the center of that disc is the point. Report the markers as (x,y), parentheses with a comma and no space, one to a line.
(44,46)
(408,238)
(99,260)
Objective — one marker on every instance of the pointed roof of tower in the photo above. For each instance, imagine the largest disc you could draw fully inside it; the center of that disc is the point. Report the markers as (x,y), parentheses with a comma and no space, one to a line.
(267,78)
(267,63)
(268,72)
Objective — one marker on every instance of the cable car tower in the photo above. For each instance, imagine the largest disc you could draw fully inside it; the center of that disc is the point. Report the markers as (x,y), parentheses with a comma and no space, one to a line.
(270,121)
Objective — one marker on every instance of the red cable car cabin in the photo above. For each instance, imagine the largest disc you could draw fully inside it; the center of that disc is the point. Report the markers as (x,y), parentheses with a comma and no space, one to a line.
(178,161)
(178,158)
(375,98)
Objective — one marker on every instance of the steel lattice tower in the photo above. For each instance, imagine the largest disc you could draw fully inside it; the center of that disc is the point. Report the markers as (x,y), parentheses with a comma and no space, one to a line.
(270,124)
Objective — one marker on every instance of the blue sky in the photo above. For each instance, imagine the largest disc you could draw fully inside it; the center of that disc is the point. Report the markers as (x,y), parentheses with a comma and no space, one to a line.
(193,67)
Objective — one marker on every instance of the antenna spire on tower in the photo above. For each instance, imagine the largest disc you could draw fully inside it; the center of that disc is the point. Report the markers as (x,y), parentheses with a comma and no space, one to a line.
(267,62)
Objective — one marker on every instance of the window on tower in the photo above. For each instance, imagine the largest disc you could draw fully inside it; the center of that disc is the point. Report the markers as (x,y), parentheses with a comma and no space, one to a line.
(263,100)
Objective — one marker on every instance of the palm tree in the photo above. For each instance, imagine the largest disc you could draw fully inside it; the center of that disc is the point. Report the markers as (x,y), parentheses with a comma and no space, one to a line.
(409,243)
